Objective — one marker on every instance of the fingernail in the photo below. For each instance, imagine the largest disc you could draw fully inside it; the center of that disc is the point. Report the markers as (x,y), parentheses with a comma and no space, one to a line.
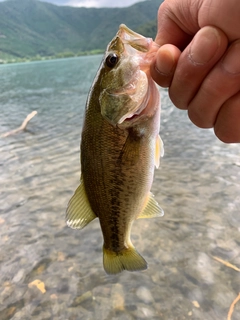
(231,61)
(204,45)
(165,62)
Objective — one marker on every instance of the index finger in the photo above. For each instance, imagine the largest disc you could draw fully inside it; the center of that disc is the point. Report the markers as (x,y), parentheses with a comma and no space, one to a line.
(176,24)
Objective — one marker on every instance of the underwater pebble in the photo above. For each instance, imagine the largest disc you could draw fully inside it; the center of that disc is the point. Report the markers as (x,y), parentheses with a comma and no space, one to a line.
(144,294)
(204,268)
(117,297)
(38,284)
(196,304)
(85,296)
(7,290)
(148,312)
(19,276)
(143,313)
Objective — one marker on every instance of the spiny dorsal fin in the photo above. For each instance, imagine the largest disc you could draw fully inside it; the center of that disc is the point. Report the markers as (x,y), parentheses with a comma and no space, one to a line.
(159,151)
(79,212)
(151,209)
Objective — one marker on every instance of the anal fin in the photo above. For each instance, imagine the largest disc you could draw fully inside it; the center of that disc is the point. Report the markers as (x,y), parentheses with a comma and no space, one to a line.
(79,212)
(151,208)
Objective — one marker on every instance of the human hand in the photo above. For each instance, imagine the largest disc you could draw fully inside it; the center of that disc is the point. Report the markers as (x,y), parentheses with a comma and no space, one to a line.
(199,60)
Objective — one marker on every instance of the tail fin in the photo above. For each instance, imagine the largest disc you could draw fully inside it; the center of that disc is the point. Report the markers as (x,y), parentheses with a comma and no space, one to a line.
(127,259)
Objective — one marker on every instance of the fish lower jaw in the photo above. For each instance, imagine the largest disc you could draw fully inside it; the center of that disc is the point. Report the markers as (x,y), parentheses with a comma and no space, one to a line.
(136,114)
(129,118)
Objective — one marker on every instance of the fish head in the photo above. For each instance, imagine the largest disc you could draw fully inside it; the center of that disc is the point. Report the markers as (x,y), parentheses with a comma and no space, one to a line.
(126,85)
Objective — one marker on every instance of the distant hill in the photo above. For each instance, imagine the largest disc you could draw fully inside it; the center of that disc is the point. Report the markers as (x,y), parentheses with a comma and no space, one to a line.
(29,27)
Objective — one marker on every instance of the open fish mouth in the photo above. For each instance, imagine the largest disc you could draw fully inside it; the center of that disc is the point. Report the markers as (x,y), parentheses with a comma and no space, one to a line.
(134,39)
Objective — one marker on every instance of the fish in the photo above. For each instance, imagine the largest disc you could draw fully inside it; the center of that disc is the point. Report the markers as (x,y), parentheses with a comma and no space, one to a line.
(120,148)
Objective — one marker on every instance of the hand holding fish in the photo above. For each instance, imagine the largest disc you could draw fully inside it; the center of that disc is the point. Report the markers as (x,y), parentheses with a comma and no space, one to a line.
(199,60)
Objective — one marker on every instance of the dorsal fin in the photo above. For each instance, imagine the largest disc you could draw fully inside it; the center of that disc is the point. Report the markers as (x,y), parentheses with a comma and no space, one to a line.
(79,212)
(151,208)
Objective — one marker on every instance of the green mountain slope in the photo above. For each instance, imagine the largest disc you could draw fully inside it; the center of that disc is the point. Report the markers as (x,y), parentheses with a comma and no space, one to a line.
(30,27)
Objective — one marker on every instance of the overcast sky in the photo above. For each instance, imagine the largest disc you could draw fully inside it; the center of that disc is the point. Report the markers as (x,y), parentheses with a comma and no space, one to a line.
(92,3)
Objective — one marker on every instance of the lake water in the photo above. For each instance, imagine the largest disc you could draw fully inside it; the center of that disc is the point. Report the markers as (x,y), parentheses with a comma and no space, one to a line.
(48,271)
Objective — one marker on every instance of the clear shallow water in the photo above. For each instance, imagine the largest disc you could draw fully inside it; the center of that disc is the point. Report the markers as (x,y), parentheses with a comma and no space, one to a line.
(197,185)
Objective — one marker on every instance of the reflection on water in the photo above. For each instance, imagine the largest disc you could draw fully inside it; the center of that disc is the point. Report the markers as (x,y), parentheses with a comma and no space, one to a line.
(197,185)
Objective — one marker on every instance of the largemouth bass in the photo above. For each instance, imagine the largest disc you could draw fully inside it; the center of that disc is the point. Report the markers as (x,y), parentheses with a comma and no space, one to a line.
(120,146)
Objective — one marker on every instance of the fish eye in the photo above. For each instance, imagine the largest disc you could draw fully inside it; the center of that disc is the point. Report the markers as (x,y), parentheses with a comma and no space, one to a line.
(112,60)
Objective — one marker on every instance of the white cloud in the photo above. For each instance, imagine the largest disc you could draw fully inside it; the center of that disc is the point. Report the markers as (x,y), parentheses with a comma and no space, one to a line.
(100,3)
(84,3)
(91,3)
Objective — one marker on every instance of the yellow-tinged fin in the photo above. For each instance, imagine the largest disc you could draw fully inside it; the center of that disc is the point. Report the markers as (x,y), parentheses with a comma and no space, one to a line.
(151,208)
(159,151)
(79,212)
(127,259)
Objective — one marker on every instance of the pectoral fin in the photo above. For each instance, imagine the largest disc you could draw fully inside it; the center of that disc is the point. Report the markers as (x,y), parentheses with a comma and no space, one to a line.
(159,151)
(79,212)
(151,208)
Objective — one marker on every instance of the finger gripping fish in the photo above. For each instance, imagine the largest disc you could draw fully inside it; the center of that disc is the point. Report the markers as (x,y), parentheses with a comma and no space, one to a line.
(120,146)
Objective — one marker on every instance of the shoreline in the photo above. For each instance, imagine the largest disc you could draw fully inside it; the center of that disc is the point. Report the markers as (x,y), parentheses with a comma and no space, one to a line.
(63,55)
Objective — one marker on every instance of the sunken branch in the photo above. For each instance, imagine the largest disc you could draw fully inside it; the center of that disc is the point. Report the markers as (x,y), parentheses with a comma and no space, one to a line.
(23,125)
